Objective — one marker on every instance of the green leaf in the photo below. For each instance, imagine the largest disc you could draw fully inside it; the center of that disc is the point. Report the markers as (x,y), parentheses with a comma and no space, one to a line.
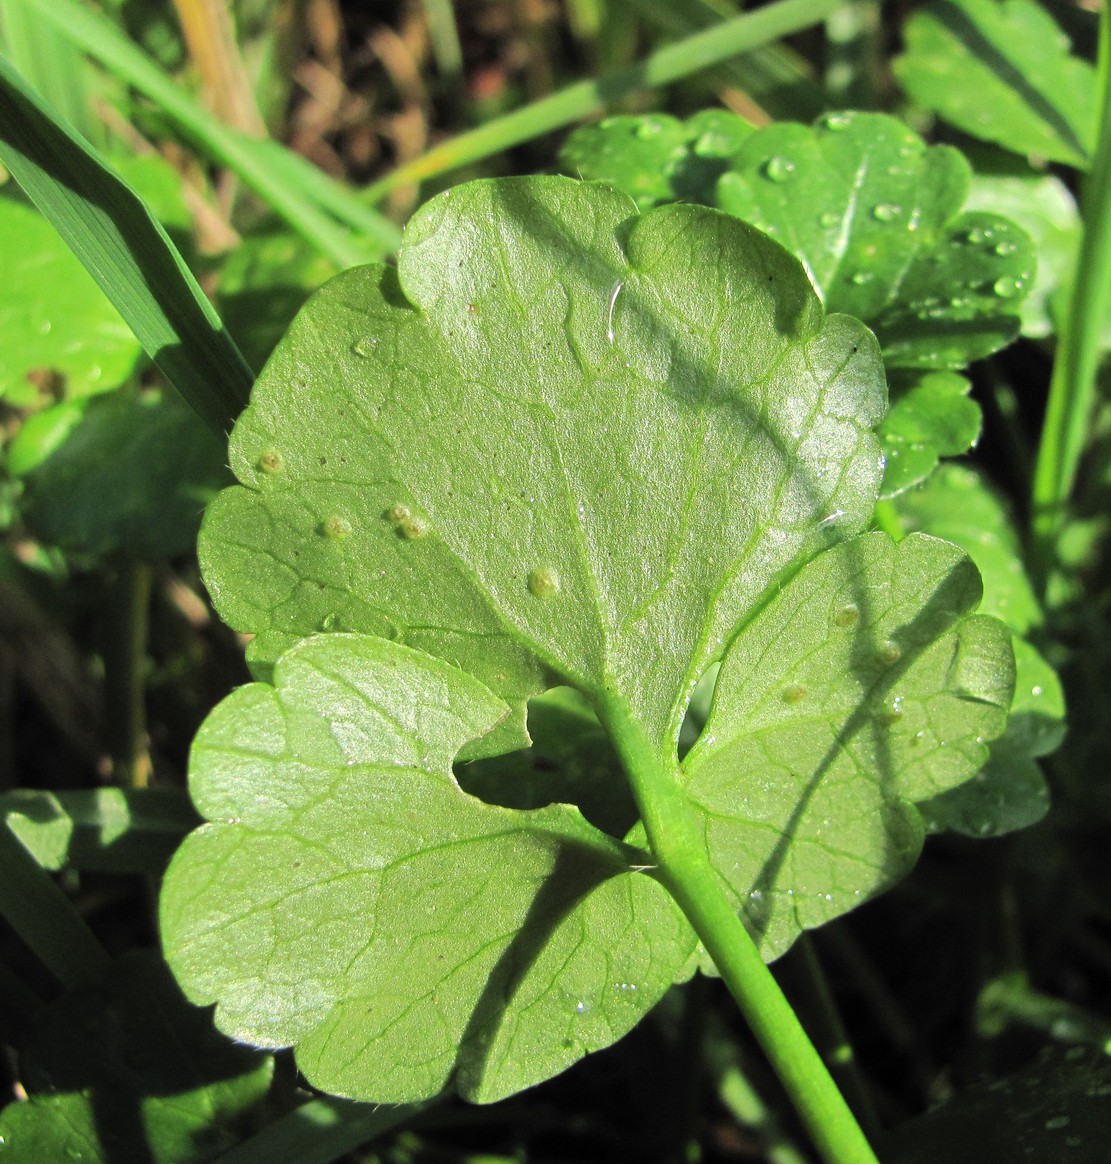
(930,419)
(1052,1110)
(958,503)
(127,252)
(875,216)
(59,335)
(125,1069)
(110,830)
(432,453)
(263,284)
(861,688)
(453,970)
(1010,793)
(124,472)
(1043,206)
(562,443)
(1002,72)
(655,158)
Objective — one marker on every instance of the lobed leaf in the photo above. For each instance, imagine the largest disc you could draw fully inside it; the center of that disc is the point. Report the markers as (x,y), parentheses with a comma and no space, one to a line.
(875,216)
(865,686)
(559,438)
(1002,72)
(353,900)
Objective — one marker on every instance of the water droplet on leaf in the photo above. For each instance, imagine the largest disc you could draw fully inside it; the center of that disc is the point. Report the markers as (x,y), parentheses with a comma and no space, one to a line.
(889,653)
(1006,248)
(1008,288)
(777,169)
(829,219)
(886,211)
(837,121)
(861,277)
(364,347)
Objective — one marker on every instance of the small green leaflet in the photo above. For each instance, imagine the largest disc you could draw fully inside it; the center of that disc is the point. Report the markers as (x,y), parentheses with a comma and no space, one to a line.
(875,216)
(563,444)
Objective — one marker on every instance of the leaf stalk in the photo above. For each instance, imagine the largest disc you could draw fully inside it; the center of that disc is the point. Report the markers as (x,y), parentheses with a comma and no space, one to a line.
(685,870)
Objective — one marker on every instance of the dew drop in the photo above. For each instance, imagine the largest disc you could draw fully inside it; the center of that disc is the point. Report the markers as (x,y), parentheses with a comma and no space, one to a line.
(1006,248)
(544,582)
(649,128)
(1007,288)
(330,622)
(44,327)
(837,121)
(1055,1123)
(1035,690)
(712,145)
(861,277)
(364,347)
(829,219)
(795,693)
(580,1007)
(336,527)
(976,236)
(777,169)
(848,615)
(271,461)
(412,528)
(886,211)
(889,653)
(893,712)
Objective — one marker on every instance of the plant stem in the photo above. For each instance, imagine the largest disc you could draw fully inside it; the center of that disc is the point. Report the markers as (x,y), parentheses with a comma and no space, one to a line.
(685,869)
(125,657)
(1072,386)
(586,98)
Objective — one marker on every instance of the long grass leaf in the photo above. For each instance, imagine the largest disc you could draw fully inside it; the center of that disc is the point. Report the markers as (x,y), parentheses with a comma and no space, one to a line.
(123,247)
(693,53)
(307,199)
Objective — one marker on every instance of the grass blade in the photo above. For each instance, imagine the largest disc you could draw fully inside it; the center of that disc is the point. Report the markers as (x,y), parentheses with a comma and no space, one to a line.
(699,51)
(108,227)
(307,199)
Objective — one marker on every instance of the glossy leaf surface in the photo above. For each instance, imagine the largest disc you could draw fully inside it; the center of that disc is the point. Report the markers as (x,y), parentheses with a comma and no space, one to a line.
(875,216)
(354,901)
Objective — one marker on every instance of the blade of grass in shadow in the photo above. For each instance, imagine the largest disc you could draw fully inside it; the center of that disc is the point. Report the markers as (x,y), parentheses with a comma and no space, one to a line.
(123,247)
(307,199)
(699,51)
(319,1132)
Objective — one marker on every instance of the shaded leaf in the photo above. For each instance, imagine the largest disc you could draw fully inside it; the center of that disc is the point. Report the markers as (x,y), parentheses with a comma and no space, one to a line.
(1002,72)
(124,472)
(126,1069)
(493,947)
(1052,1110)
(875,216)
(863,687)
(930,419)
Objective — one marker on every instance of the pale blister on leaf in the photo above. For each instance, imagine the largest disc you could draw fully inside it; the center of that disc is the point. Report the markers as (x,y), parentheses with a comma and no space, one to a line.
(865,686)
(1002,72)
(350,899)
(561,438)
(875,216)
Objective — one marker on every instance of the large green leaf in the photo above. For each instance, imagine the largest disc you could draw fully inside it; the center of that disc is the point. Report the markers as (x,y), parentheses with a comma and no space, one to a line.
(859,690)
(401,950)
(875,216)
(1002,72)
(125,1069)
(525,448)
(561,444)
